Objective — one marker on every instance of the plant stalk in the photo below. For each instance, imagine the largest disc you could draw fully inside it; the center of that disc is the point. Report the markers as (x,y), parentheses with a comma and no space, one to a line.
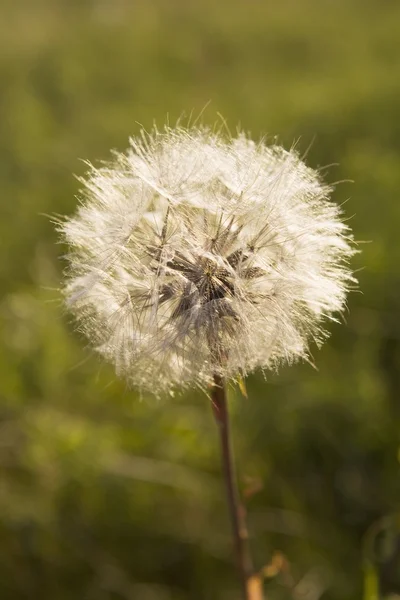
(240,535)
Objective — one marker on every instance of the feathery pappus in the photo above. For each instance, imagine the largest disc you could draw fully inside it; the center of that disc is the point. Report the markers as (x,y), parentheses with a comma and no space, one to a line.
(193,255)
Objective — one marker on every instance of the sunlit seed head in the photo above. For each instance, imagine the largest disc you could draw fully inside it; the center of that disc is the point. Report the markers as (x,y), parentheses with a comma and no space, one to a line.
(192,255)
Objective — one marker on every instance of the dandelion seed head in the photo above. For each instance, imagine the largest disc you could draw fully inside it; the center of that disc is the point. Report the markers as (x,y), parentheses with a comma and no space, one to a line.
(194,256)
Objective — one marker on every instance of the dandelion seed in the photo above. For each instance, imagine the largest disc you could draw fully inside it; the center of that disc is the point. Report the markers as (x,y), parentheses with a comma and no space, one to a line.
(194,257)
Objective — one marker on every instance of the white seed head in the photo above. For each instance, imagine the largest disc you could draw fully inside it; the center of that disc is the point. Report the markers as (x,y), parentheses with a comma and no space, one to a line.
(194,256)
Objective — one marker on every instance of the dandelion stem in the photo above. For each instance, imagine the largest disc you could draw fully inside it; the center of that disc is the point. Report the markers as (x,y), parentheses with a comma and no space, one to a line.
(220,410)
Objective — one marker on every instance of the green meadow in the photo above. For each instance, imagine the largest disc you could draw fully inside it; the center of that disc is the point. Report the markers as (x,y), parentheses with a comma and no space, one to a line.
(108,496)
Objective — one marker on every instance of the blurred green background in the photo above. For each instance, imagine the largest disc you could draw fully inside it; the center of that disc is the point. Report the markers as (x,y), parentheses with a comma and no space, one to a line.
(104,496)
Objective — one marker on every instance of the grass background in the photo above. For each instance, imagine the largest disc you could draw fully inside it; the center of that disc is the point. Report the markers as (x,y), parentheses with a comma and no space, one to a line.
(104,496)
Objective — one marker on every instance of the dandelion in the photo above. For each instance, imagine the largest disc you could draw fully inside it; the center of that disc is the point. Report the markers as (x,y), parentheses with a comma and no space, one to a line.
(194,257)
(195,260)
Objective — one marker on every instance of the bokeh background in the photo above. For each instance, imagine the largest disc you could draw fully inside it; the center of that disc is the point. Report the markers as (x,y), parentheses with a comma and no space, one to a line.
(104,496)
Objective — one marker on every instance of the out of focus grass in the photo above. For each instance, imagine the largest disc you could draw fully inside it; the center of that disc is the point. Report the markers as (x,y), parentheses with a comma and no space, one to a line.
(104,496)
